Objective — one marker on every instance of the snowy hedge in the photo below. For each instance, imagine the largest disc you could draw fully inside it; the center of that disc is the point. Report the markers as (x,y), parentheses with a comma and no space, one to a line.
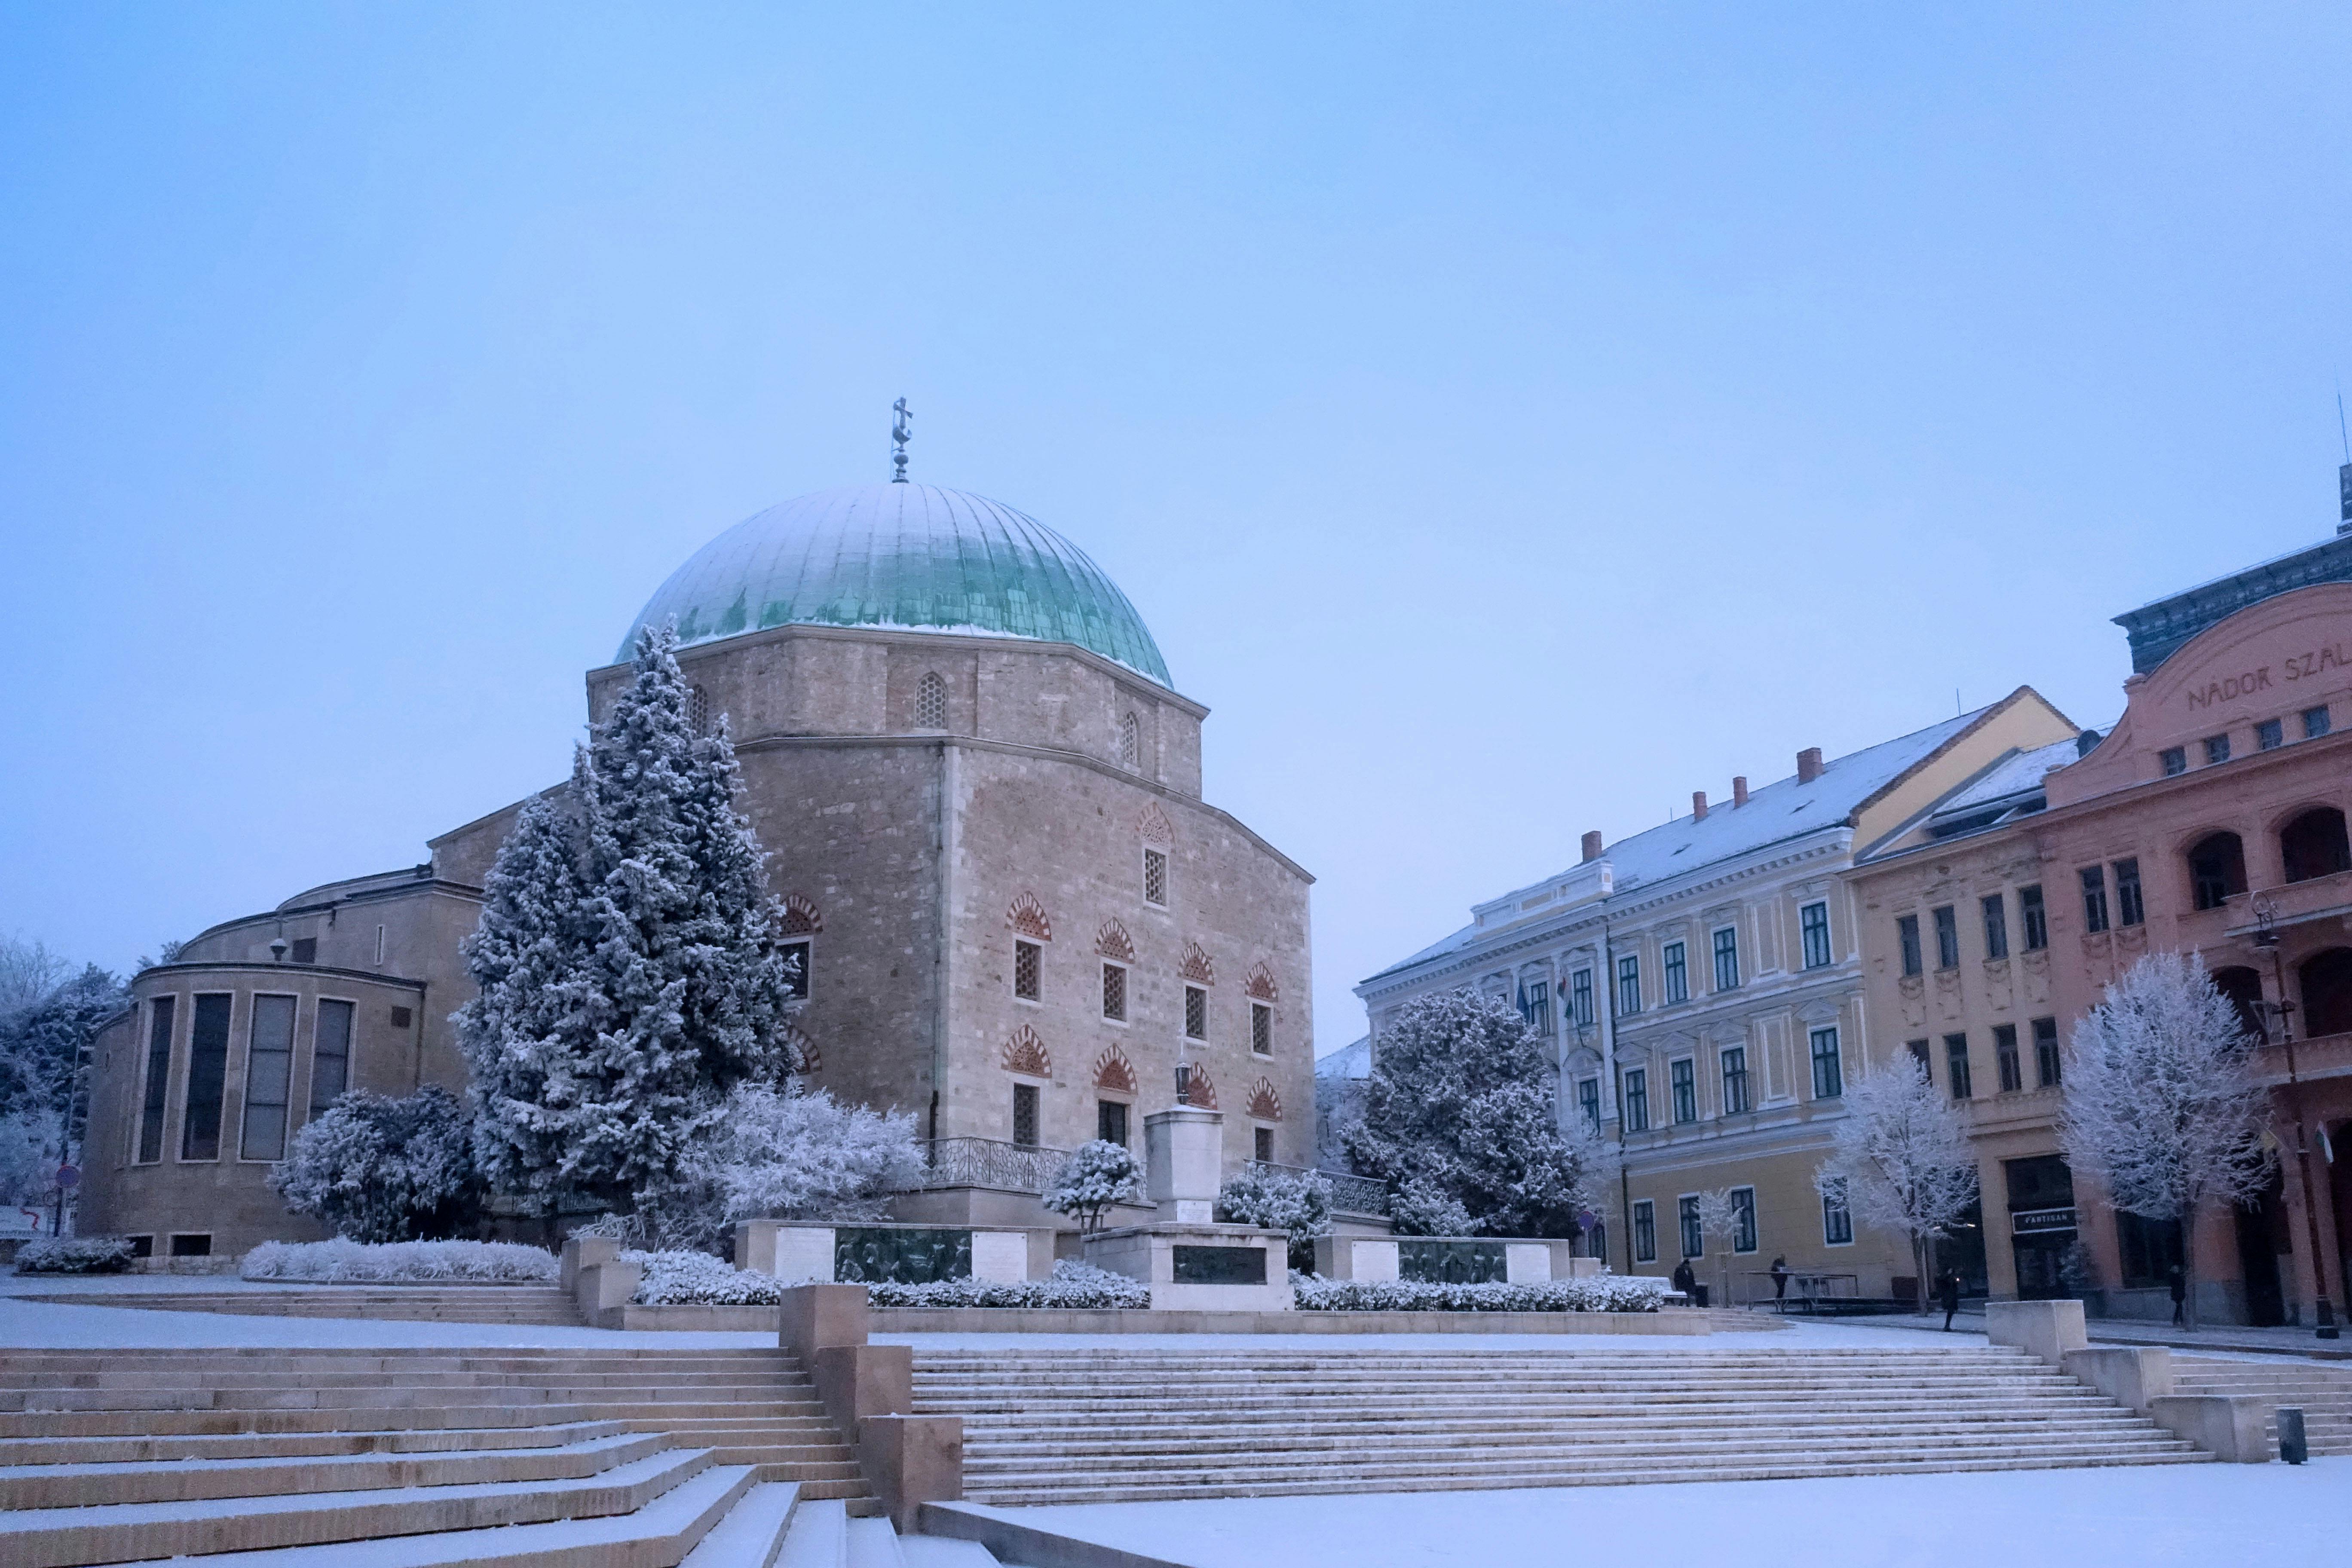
(697,1278)
(682,1278)
(75,1254)
(346,1262)
(1595,1293)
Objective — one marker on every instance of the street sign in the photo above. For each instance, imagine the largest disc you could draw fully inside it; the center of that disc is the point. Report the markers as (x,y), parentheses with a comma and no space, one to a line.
(69,1176)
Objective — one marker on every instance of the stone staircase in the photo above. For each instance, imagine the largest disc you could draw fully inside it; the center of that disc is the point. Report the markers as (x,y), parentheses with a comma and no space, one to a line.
(431,1458)
(541,1305)
(2324,1393)
(1060,1426)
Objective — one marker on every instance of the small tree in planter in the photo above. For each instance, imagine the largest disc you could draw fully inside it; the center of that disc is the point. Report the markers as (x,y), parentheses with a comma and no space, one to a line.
(1719,1218)
(1298,1204)
(1094,1177)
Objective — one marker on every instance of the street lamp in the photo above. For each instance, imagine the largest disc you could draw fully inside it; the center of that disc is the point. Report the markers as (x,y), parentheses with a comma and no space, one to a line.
(2266,938)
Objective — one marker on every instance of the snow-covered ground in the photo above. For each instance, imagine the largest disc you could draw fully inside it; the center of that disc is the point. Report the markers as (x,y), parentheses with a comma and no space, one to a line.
(2147,1517)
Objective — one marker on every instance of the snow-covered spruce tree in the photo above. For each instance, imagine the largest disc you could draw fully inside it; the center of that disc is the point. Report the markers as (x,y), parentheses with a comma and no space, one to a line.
(1901,1159)
(45,1049)
(1298,1202)
(781,1153)
(1095,1175)
(1461,1119)
(375,1169)
(646,995)
(2163,1107)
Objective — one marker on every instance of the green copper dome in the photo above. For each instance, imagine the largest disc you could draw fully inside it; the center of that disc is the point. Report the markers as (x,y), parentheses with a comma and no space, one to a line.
(902,557)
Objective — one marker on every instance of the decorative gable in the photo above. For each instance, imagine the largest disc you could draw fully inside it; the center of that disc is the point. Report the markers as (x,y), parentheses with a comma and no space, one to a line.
(1196,966)
(1152,823)
(800,1051)
(1259,983)
(1112,942)
(1025,1053)
(1113,1072)
(1201,1092)
(1264,1102)
(1027,916)
(800,916)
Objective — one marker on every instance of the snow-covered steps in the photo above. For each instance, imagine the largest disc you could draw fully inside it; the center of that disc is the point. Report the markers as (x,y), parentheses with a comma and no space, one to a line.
(2324,1393)
(1091,1425)
(541,1305)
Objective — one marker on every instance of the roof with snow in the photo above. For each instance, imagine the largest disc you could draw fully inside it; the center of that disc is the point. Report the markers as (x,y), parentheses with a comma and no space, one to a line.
(901,557)
(1353,1061)
(1784,810)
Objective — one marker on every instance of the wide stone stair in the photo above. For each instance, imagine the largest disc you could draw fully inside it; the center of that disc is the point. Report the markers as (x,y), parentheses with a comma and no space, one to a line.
(2324,1393)
(428,1458)
(1061,1426)
(537,1305)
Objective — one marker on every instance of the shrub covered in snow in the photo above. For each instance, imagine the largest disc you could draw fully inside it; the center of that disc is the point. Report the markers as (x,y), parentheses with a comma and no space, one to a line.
(75,1254)
(1297,1202)
(340,1261)
(678,1277)
(379,1169)
(1070,1284)
(1593,1293)
(1094,1177)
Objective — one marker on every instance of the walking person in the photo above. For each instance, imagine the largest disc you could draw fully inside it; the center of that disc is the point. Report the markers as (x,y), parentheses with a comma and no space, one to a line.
(1948,1291)
(1781,1278)
(2180,1283)
(1686,1281)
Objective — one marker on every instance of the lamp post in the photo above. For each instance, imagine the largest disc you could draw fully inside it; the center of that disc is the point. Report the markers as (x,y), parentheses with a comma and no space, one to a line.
(2266,938)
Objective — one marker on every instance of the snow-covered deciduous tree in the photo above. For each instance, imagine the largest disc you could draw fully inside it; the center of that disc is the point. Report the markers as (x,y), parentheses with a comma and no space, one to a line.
(1295,1202)
(45,1047)
(1719,1212)
(632,975)
(2163,1106)
(375,1169)
(1461,1118)
(31,1145)
(28,972)
(1095,1175)
(1900,1159)
(781,1153)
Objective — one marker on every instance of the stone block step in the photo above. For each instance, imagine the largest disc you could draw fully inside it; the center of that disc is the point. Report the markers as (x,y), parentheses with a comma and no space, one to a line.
(259,1444)
(752,1534)
(819,1537)
(873,1544)
(122,1532)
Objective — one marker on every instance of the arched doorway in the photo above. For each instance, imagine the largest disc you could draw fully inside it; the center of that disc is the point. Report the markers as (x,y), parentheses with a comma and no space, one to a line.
(2314,845)
(2243,987)
(2217,869)
(2325,980)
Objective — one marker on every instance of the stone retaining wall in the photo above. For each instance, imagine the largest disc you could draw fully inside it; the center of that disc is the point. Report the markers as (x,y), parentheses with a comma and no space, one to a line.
(1138,1320)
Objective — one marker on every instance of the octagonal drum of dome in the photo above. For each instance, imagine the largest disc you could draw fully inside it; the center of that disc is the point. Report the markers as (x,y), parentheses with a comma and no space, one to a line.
(901,557)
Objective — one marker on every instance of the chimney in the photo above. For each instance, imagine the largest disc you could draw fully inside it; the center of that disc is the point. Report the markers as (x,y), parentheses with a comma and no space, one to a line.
(1809,765)
(1740,789)
(1592,845)
(1698,806)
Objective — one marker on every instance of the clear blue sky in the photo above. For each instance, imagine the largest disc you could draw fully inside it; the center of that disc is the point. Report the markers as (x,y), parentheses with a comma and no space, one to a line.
(1508,419)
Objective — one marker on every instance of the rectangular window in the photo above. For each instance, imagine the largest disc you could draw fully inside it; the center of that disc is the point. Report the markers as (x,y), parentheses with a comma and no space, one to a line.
(1947,937)
(1028,971)
(1828,1073)
(1906,937)
(200,1124)
(1261,1028)
(1024,1115)
(379,947)
(1629,984)
(1996,924)
(2095,898)
(330,1054)
(158,1078)
(2217,749)
(2147,1250)
(2045,1051)
(1693,1238)
(2173,760)
(1743,1219)
(2130,909)
(1956,1066)
(1637,1100)
(1588,1099)
(2315,723)
(1579,997)
(1921,1054)
(1726,960)
(198,1244)
(1110,1121)
(2004,1056)
(1115,993)
(268,1074)
(1813,922)
(796,970)
(1261,1145)
(1837,1225)
(2035,918)
(1534,1007)
(1196,1013)
(305,949)
(1155,877)
(1735,1080)
(2268,735)
(1683,1077)
(1677,974)
(1645,1232)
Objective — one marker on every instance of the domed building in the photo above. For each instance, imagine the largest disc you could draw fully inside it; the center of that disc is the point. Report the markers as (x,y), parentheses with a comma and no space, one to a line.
(980,794)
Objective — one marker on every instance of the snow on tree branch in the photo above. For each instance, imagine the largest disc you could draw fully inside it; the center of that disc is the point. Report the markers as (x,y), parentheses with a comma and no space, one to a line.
(1900,1158)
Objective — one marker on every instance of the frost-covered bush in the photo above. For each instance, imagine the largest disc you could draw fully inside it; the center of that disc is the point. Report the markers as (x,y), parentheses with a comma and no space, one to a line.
(1094,1177)
(1071,1284)
(375,1169)
(676,1276)
(351,1262)
(75,1254)
(1297,1202)
(782,1153)
(1593,1293)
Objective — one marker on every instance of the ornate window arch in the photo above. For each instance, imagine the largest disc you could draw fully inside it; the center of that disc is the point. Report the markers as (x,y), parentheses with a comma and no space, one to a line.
(1024,1053)
(1114,1073)
(931,702)
(1264,1100)
(1131,743)
(1027,916)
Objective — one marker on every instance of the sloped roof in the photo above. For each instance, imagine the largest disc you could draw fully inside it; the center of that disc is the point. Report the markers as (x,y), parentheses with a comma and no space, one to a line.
(1352,1060)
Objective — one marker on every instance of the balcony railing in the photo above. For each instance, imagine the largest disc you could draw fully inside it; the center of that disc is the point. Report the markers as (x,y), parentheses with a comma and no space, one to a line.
(990,1163)
(1349,1195)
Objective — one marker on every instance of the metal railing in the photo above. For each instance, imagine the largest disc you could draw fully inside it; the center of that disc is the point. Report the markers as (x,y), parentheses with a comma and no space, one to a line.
(1349,1195)
(990,1163)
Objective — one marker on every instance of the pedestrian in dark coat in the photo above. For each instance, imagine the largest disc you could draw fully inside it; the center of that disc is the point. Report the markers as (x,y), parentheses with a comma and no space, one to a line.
(1779,1278)
(1948,1291)
(2180,1283)
(1684,1280)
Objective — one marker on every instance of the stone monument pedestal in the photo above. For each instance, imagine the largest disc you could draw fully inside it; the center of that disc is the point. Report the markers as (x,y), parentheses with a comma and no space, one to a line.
(1200,1268)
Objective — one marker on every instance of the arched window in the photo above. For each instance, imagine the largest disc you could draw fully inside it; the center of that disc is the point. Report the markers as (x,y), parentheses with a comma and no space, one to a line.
(2326,982)
(2314,845)
(2217,869)
(1130,744)
(932,703)
(2243,987)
